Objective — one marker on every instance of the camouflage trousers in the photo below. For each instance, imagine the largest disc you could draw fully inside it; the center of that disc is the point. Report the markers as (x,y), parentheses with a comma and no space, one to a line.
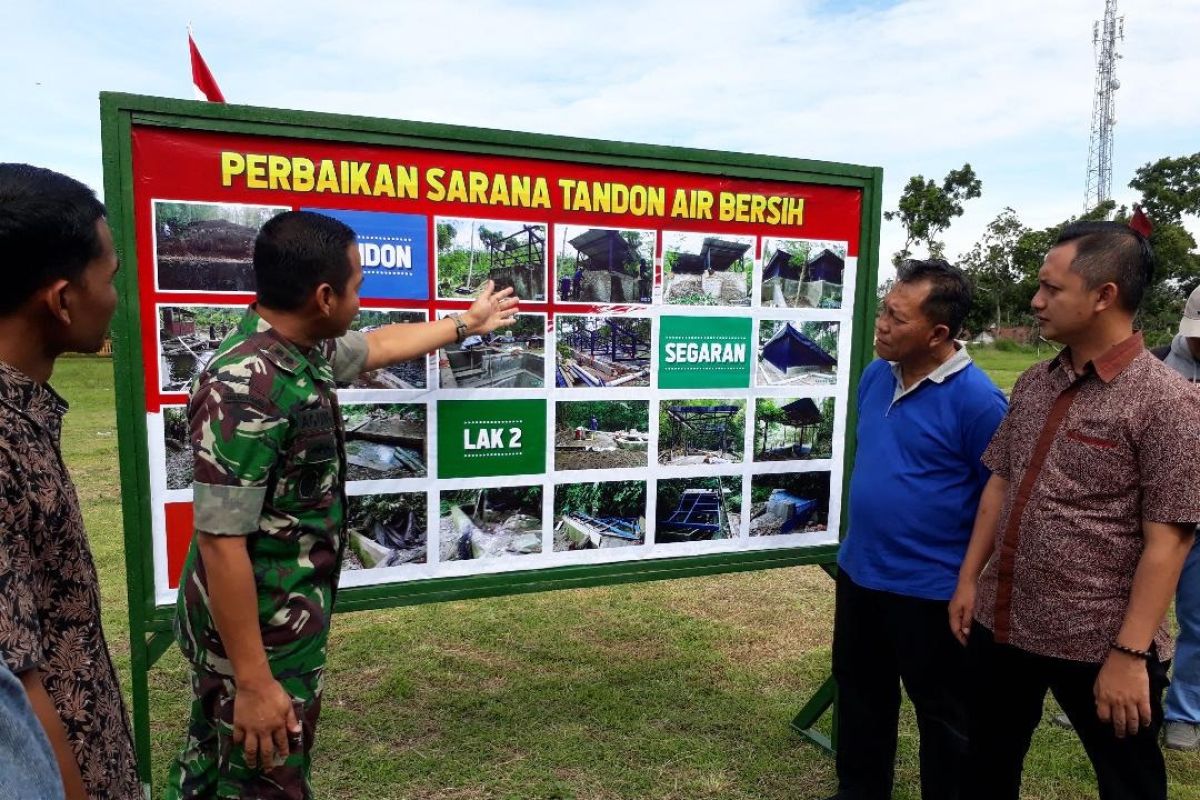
(211,766)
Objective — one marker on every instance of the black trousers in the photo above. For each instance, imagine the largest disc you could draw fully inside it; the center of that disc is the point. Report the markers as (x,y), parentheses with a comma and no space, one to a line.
(1008,688)
(881,640)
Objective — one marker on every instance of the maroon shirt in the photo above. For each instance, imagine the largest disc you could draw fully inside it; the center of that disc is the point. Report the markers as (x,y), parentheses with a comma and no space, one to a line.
(49,595)
(1088,458)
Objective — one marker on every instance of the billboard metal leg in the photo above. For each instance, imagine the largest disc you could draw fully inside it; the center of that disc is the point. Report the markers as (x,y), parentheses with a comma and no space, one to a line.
(825,699)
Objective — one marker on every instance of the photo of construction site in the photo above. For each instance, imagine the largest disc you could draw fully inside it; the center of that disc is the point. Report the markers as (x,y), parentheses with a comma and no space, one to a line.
(793,428)
(413,374)
(384,441)
(490,523)
(698,509)
(207,247)
(509,358)
(792,353)
(701,431)
(592,516)
(595,352)
(188,336)
(601,434)
(177,445)
(385,530)
(601,265)
(700,270)
(791,502)
(470,252)
(802,273)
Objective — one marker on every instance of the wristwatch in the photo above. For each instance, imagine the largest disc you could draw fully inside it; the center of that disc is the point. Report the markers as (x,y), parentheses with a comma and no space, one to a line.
(460,328)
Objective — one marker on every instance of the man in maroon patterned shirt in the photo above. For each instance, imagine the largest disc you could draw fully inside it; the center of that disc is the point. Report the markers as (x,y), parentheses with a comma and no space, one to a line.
(1082,531)
(58,262)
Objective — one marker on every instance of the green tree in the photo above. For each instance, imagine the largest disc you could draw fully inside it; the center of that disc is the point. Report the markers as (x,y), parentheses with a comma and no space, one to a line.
(998,268)
(1170,188)
(926,208)
(445,236)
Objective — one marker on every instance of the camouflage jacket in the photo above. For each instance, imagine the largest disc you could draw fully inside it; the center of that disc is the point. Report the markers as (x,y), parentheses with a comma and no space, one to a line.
(270,465)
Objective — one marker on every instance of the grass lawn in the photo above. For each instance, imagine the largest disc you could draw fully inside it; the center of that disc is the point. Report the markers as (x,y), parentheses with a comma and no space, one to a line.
(679,690)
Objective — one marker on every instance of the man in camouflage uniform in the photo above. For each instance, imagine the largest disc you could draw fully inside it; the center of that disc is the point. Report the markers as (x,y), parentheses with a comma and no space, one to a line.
(269,501)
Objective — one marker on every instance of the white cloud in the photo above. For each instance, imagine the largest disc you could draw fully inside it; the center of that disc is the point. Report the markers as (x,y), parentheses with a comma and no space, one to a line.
(918,86)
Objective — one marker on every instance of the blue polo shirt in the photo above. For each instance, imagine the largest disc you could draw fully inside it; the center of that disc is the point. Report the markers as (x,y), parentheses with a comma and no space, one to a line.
(917,476)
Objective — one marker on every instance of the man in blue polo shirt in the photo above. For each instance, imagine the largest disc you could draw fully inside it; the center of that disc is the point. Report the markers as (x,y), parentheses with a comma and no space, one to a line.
(925,415)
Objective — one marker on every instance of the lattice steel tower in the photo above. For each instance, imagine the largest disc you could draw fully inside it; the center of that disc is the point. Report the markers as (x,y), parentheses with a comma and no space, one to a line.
(1105,35)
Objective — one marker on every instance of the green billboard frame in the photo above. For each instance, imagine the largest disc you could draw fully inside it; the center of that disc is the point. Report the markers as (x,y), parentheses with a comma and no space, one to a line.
(149,623)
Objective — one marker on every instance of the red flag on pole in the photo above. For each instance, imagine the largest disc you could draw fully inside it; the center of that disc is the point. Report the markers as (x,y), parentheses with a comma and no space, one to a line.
(1140,222)
(202,79)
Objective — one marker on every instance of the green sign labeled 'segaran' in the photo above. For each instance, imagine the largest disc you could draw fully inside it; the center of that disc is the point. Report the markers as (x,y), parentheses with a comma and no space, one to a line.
(704,352)
(478,438)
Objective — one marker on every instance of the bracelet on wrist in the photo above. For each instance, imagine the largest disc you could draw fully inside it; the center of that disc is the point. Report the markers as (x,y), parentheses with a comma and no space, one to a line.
(1145,655)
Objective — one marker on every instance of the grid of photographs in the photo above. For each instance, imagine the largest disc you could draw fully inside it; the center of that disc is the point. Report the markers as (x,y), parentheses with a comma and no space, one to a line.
(630,463)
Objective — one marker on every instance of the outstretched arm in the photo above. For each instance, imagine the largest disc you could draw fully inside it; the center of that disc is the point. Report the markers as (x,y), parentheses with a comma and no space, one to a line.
(403,341)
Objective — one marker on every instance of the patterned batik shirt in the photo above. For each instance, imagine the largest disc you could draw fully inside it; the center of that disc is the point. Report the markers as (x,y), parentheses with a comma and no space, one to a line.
(1089,457)
(49,594)
(270,466)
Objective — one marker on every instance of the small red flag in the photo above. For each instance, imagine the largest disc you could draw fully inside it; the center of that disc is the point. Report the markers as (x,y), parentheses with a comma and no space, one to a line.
(202,79)
(1140,222)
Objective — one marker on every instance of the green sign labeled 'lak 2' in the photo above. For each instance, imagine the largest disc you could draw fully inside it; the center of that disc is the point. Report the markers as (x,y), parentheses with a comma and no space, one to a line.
(704,353)
(479,438)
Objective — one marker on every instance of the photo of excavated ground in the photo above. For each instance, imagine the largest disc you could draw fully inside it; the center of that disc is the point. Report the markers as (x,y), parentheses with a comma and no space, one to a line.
(207,248)
(490,523)
(600,449)
(385,530)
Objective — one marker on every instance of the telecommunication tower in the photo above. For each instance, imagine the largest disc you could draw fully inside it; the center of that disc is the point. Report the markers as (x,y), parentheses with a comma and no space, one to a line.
(1105,35)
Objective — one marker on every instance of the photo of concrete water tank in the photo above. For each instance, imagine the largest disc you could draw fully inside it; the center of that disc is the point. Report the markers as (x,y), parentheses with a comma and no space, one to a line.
(700,270)
(701,431)
(472,251)
(384,441)
(207,247)
(601,434)
(386,530)
(802,273)
(413,374)
(698,509)
(792,502)
(602,265)
(508,358)
(188,336)
(590,516)
(595,352)
(792,353)
(793,428)
(177,444)
(491,523)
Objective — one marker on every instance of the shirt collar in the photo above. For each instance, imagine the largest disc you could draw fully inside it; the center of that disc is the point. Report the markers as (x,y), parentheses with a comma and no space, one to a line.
(955,363)
(1109,364)
(284,353)
(37,401)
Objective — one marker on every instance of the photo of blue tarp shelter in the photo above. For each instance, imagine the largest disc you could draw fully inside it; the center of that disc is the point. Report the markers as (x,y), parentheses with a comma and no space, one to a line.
(789,351)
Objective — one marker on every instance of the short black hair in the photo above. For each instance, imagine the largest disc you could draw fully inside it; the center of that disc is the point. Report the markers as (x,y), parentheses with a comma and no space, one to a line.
(950,292)
(47,230)
(296,252)
(1111,252)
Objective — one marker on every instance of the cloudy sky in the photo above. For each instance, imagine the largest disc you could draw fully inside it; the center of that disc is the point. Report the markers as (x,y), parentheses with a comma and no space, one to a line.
(914,86)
